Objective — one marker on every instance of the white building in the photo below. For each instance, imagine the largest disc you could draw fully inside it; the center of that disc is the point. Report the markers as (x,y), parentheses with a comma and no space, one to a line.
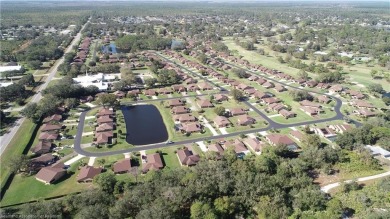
(10,68)
(100,80)
(378,151)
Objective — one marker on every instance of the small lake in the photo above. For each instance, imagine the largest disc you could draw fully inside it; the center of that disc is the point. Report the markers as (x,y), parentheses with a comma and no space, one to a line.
(144,125)
(109,48)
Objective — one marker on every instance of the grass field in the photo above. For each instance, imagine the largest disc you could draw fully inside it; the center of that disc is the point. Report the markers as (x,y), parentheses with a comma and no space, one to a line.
(16,148)
(27,188)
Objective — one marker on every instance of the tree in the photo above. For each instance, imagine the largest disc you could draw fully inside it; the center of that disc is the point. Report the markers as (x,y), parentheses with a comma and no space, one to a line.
(302,74)
(220,110)
(106,181)
(107,100)
(373,73)
(237,94)
(34,64)
(202,210)
(101,162)
(27,80)
(224,206)
(17,163)
(376,88)
(311,141)
(31,111)
(71,102)
(150,82)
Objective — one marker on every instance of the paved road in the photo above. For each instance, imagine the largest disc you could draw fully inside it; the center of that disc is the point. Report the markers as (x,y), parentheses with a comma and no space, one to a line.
(362,179)
(6,138)
(271,123)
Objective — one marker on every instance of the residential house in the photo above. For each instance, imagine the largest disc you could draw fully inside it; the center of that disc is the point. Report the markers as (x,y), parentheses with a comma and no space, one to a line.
(216,147)
(221,121)
(192,127)
(204,86)
(182,118)
(244,120)
(336,88)
(203,103)
(150,92)
(187,158)
(175,102)
(178,88)
(152,162)
(268,85)
(192,88)
(281,139)
(53,118)
(254,144)
(42,147)
(237,112)
(287,114)
(220,97)
(323,99)
(50,127)
(279,88)
(87,173)
(180,110)
(311,111)
(325,132)
(239,147)
(270,100)
(341,128)
(297,135)
(103,137)
(48,136)
(276,107)
(122,166)
(362,104)
(104,119)
(50,175)
(105,112)
(105,127)
(365,113)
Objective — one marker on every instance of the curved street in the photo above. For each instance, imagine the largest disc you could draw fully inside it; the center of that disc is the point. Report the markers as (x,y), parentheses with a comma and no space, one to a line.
(271,124)
(361,179)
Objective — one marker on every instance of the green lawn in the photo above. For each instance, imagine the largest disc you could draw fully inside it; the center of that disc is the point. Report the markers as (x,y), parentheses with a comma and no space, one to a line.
(27,188)
(16,147)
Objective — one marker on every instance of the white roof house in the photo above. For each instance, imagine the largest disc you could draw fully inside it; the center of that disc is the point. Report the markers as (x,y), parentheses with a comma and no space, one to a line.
(10,68)
(376,150)
(99,80)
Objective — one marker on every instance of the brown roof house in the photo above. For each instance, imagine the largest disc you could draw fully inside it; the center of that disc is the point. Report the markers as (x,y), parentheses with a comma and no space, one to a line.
(87,173)
(153,162)
(184,118)
(287,114)
(187,158)
(50,127)
(104,119)
(103,137)
(180,110)
(192,127)
(216,147)
(245,120)
(47,136)
(221,121)
(105,112)
(175,102)
(122,166)
(53,118)
(51,174)
(42,161)
(254,144)
(297,135)
(281,139)
(220,97)
(42,147)
(341,128)
(204,103)
(239,147)
(237,111)
(105,127)
(204,86)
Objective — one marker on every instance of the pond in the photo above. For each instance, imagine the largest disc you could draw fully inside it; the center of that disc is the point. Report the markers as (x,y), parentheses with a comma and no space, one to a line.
(109,49)
(144,125)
